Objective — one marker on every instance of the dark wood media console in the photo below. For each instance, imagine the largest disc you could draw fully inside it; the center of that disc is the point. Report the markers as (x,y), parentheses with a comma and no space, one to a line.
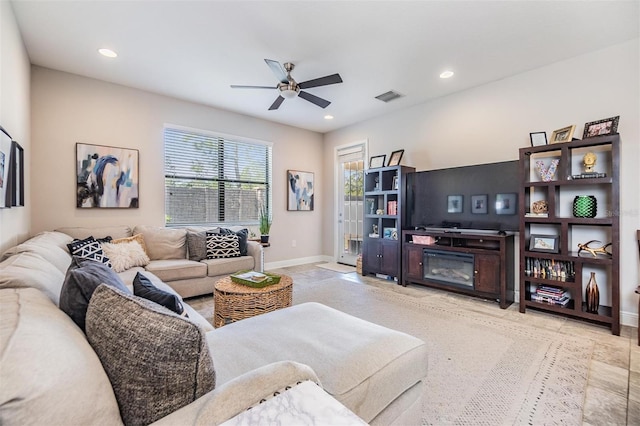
(487,258)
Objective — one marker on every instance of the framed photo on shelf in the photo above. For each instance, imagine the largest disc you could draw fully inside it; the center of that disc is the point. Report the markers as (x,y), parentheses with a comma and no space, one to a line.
(390,233)
(377,161)
(506,203)
(479,204)
(607,126)
(544,243)
(454,203)
(394,184)
(538,138)
(563,135)
(396,156)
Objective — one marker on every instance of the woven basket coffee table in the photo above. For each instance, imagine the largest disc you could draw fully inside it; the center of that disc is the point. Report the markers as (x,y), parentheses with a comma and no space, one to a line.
(233,302)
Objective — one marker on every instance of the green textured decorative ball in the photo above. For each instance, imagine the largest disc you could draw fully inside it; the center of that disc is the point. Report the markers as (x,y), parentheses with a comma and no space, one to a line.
(585,206)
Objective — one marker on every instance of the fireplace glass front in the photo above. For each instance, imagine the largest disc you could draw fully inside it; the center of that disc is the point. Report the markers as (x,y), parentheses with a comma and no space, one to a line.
(448,267)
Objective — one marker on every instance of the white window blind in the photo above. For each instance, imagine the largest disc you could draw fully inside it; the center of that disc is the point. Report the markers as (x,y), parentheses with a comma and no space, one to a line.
(214,180)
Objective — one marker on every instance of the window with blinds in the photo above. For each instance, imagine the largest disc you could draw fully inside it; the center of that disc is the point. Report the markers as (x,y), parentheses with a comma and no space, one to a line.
(214,180)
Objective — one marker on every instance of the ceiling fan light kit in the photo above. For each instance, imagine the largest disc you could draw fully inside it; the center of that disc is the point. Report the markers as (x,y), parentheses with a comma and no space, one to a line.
(288,87)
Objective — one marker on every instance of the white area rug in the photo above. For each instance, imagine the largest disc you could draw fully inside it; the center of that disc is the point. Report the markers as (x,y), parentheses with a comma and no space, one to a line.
(482,370)
(337,267)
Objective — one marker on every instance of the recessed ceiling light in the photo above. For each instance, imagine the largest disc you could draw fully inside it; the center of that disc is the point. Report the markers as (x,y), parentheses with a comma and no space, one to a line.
(108,53)
(446,74)
(328,117)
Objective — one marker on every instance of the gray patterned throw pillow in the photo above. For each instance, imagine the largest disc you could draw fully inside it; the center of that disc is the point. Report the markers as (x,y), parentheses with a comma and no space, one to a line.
(157,361)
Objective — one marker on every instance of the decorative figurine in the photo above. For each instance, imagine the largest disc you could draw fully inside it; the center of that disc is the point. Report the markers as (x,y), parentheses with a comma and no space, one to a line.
(594,251)
(589,162)
(539,207)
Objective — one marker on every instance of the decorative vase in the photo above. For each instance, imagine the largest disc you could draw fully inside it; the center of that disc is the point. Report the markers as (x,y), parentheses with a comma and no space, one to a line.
(592,294)
(585,206)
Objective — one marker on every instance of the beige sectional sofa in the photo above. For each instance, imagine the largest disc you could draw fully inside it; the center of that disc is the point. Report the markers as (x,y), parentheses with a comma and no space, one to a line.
(50,373)
(170,258)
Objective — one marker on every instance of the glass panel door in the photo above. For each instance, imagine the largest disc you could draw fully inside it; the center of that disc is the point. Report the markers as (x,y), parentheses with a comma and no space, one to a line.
(350,209)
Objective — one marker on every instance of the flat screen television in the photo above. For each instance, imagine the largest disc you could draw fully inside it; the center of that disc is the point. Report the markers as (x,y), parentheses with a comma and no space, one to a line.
(480,197)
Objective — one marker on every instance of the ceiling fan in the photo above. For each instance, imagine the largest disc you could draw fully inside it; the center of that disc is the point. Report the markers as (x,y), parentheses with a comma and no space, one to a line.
(290,89)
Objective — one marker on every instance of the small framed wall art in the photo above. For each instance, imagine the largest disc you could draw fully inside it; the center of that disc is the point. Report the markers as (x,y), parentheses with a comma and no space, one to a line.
(6,145)
(377,161)
(607,126)
(454,203)
(506,203)
(563,135)
(300,191)
(538,138)
(96,164)
(396,156)
(479,204)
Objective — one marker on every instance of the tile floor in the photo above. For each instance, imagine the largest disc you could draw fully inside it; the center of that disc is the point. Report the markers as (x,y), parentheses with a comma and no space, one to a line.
(613,390)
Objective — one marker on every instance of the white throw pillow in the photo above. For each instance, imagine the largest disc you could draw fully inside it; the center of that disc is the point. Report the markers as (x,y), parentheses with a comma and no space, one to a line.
(124,256)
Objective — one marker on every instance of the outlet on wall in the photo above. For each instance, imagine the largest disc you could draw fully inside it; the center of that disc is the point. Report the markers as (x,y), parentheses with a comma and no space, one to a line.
(293,243)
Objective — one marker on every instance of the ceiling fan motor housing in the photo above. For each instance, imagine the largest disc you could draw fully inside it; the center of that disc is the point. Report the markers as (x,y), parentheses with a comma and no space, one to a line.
(289,90)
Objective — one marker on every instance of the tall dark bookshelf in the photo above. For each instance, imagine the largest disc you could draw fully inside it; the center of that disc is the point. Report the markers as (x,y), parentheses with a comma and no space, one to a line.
(385,216)
(538,263)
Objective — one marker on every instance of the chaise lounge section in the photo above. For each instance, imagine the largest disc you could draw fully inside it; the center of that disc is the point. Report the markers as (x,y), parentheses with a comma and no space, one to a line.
(51,374)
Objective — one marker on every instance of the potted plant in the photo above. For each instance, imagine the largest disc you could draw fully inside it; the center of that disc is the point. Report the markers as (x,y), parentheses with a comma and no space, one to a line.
(265,225)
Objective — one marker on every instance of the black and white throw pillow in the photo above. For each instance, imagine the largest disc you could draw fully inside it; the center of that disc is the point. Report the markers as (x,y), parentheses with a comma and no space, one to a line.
(90,248)
(220,246)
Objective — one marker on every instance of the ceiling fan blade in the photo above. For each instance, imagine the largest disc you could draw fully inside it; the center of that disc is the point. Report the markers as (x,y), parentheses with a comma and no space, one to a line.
(276,104)
(322,81)
(322,103)
(236,86)
(278,70)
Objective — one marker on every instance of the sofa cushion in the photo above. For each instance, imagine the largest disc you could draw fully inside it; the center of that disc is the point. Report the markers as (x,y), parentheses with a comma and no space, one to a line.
(29,269)
(142,287)
(82,278)
(164,243)
(157,361)
(361,364)
(125,255)
(197,244)
(220,246)
(49,374)
(52,246)
(177,269)
(228,266)
(90,248)
(81,233)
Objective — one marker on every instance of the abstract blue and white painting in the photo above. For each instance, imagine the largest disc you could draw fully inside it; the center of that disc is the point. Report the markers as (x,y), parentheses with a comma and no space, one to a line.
(300,191)
(107,177)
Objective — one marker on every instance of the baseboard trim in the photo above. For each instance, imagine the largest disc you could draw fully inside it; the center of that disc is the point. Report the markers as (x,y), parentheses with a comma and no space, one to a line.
(296,262)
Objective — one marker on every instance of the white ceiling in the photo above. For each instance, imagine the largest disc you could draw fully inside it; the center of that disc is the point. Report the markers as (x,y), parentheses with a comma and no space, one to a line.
(194,50)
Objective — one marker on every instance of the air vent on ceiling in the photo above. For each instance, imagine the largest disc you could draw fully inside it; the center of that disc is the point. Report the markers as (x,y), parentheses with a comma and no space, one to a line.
(389,96)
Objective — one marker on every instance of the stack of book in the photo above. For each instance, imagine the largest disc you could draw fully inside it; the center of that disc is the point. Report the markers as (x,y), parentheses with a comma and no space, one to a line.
(551,295)
(392,207)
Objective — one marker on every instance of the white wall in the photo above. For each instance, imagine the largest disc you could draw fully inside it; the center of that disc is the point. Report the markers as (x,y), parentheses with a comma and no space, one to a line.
(490,123)
(14,117)
(67,108)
